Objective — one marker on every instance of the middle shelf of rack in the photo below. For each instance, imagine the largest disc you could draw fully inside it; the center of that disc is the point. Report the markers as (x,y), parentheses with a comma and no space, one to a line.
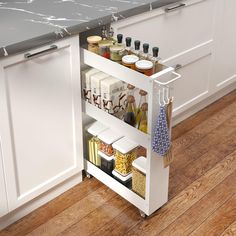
(119,126)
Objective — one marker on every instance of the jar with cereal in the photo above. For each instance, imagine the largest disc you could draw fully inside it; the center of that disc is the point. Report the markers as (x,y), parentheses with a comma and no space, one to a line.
(125,153)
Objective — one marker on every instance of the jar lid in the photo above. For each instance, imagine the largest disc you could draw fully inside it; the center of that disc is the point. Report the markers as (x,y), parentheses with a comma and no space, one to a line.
(104,156)
(109,136)
(121,177)
(94,39)
(105,43)
(140,164)
(96,128)
(124,145)
(130,59)
(144,64)
(116,48)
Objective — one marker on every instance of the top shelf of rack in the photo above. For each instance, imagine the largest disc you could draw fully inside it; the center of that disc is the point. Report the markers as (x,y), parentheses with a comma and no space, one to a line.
(164,77)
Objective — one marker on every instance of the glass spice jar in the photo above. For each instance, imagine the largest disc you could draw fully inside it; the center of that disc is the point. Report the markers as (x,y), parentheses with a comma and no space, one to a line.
(93,43)
(144,67)
(104,48)
(129,61)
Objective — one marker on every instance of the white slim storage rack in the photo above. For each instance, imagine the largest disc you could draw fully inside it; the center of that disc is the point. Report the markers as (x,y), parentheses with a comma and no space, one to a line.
(157,177)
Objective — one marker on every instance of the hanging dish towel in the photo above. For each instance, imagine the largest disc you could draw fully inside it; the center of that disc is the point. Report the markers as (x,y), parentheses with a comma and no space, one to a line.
(161,140)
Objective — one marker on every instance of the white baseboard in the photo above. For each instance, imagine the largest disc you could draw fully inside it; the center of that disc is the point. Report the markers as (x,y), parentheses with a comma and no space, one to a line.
(194,109)
(39,201)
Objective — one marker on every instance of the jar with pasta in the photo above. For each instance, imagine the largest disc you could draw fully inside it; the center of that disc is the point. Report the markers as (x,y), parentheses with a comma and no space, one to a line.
(106,139)
(125,152)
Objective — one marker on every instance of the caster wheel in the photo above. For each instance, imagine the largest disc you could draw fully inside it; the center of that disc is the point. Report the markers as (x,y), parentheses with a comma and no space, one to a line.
(142,214)
(89,176)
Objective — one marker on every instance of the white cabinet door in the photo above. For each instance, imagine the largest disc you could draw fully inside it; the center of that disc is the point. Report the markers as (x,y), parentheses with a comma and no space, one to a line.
(3,194)
(224,65)
(173,31)
(194,84)
(41,119)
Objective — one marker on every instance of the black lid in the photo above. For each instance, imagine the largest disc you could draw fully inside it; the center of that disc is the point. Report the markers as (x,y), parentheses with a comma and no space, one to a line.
(137,44)
(119,38)
(145,47)
(155,51)
(128,41)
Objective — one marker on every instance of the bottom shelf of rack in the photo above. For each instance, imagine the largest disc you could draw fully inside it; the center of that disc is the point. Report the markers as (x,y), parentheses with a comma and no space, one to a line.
(117,187)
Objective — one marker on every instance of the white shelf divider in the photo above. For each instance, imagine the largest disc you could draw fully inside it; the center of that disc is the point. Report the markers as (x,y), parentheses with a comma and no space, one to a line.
(119,188)
(117,125)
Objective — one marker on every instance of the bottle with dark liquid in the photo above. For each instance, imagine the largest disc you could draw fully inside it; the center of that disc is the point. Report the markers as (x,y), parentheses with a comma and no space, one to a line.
(130,111)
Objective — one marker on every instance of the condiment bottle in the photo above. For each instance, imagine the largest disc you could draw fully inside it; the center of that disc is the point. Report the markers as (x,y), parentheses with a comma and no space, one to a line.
(128,49)
(144,55)
(145,67)
(111,36)
(104,33)
(155,60)
(117,50)
(93,43)
(142,100)
(129,117)
(136,50)
(143,121)
(129,61)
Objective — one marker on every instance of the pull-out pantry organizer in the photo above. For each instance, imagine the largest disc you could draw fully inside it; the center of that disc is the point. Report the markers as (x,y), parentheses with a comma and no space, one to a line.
(157,177)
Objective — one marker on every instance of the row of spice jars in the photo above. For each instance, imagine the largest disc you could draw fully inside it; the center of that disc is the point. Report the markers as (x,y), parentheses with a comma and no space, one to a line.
(134,58)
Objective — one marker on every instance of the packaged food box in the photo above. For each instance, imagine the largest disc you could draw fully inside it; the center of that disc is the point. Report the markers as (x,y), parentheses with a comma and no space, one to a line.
(139,176)
(125,152)
(93,142)
(96,80)
(125,180)
(107,163)
(113,96)
(86,82)
(106,139)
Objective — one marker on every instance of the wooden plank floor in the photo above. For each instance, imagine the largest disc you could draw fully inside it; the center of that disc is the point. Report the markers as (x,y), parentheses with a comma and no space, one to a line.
(202,189)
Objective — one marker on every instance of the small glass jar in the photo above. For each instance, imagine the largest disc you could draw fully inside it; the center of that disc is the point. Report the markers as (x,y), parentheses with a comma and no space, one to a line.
(104,48)
(139,176)
(116,53)
(145,67)
(106,139)
(93,43)
(125,154)
(129,61)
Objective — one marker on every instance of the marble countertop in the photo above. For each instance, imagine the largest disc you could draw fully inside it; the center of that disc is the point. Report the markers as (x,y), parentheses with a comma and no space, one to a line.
(26,24)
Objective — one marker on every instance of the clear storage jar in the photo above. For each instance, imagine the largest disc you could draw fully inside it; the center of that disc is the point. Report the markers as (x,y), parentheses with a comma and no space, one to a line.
(125,180)
(93,43)
(107,163)
(125,154)
(139,176)
(93,142)
(106,139)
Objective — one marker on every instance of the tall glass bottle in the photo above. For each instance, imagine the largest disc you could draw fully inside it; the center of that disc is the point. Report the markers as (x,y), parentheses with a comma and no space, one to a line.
(143,124)
(128,47)
(142,100)
(130,111)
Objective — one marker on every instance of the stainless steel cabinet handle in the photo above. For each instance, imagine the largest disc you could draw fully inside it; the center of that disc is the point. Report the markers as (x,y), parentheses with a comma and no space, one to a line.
(169,9)
(178,66)
(51,48)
